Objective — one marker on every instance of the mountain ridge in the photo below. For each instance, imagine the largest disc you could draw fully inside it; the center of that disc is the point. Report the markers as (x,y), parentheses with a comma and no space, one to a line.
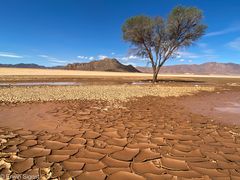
(205,68)
(114,65)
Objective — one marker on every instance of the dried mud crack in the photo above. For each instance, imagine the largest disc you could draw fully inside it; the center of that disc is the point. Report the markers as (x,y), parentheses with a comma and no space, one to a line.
(146,138)
(94,92)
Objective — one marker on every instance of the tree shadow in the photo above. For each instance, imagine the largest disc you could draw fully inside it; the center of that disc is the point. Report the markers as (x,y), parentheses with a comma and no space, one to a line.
(173,81)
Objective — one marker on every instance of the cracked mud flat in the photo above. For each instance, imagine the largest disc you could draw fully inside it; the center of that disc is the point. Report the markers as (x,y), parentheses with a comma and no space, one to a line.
(94,92)
(145,138)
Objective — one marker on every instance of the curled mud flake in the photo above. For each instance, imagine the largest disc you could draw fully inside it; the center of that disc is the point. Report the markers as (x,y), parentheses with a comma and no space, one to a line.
(71,165)
(57,158)
(92,175)
(54,145)
(35,152)
(22,166)
(125,175)
(127,154)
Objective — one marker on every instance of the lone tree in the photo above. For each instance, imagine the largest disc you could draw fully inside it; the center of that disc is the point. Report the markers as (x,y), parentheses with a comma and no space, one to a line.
(159,39)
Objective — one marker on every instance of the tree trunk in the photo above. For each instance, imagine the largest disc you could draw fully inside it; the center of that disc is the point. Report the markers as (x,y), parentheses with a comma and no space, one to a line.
(155,74)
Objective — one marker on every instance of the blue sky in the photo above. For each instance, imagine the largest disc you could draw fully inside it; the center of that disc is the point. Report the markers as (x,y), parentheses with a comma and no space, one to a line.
(57,32)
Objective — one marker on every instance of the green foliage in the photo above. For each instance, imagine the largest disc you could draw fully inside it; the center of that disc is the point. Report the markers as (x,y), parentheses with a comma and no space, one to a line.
(184,25)
(137,29)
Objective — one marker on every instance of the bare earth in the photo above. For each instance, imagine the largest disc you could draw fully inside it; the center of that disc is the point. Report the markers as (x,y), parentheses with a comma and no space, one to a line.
(55,72)
(120,131)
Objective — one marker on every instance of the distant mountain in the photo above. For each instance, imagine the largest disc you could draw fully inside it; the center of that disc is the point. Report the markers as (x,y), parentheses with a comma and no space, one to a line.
(102,65)
(115,66)
(206,68)
(106,64)
(22,65)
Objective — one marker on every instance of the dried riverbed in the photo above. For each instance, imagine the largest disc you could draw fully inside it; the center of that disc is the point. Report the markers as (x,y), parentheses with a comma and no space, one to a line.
(94,92)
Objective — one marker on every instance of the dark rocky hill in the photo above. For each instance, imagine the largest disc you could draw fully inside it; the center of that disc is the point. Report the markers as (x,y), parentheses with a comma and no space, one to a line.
(102,65)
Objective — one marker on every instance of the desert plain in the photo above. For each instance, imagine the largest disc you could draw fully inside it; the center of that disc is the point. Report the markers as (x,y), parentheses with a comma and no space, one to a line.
(59,124)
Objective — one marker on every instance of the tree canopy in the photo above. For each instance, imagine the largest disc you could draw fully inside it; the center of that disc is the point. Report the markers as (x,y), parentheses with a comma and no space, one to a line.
(158,39)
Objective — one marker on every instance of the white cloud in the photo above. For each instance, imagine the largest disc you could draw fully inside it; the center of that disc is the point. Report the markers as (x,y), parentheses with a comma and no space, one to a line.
(113,53)
(9,55)
(186,54)
(43,56)
(91,58)
(124,58)
(102,56)
(82,57)
(86,57)
(181,60)
(131,57)
(59,61)
(224,31)
(235,44)
(53,59)
(204,54)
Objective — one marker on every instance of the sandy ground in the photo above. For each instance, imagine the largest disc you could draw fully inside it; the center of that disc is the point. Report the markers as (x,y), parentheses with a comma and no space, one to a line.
(146,137)
(34,72)
(49,72)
